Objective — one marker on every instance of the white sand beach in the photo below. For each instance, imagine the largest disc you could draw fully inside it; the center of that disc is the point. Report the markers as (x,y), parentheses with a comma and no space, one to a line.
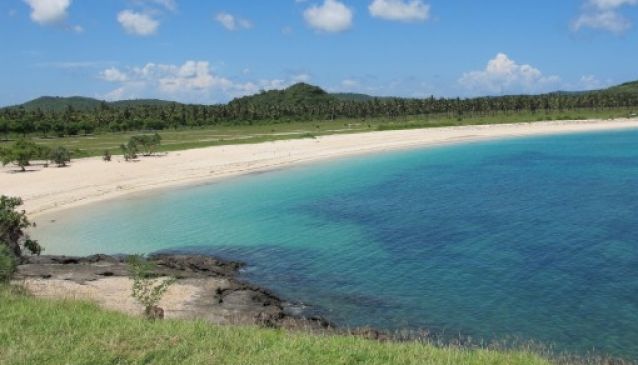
(90,180)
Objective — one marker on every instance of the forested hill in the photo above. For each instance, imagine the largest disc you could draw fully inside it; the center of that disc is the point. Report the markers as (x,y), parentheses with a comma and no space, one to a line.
(298,94)
(628,87)
(299,103)
(80,103)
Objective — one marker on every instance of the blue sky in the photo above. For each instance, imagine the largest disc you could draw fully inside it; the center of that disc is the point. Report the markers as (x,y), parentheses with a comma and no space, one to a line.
(211,51)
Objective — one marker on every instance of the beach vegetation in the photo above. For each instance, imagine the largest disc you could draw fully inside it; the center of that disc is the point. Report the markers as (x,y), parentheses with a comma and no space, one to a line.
(13,226)
(106,156)
(22,152)
(60,156)
(148,290)
(148,143)
(129,150)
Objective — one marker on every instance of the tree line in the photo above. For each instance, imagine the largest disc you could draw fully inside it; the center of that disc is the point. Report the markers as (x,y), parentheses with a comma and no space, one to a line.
(253,110)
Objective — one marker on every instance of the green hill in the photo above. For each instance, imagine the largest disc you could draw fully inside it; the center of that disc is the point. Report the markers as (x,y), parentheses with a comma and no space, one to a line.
(59,104)
(55,103)
(628,87)
(300,93)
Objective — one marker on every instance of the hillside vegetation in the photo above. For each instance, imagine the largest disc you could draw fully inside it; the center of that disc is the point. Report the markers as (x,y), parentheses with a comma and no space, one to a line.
(35,331)
(80,103)
(88,126)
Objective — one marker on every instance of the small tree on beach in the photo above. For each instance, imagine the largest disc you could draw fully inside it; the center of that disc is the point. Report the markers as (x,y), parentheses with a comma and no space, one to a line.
(60,156)
(147,142)
(129,150)
(21,153)
(148,290)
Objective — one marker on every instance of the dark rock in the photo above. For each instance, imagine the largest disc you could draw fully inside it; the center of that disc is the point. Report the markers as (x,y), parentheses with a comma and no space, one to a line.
(229,300)
(370,334)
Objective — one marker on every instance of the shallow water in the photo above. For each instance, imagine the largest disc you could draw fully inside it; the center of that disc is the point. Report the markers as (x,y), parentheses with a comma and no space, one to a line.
(535,238)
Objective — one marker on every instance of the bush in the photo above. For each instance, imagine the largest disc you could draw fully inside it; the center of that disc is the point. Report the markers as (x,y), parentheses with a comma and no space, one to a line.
(60,156)
(7,263)
(148,290)
(106,156)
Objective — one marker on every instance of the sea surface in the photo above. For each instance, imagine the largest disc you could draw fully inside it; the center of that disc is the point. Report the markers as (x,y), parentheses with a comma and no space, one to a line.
(529,238)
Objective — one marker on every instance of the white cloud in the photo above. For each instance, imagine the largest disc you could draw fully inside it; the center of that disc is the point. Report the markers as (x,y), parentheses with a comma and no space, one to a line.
(603,15)
(503,75)
(332,16)
(350,83)
(231,22)
(113,75)
(193,81)
(303,77)
(137,23)
(47,12)
(611,4)
(400,10)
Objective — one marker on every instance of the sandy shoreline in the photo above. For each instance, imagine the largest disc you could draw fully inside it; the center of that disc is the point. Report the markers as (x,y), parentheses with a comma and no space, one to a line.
(92,180)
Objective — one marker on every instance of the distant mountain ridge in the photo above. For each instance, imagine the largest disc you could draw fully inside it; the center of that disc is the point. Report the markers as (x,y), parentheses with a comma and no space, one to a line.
(81,103)
(300,93)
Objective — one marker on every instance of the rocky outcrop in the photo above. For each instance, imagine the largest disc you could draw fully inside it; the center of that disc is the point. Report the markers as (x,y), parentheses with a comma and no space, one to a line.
(206,288)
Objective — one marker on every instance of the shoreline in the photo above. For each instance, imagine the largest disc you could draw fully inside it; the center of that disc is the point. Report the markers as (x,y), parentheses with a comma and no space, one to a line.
(92,180)
(206,288)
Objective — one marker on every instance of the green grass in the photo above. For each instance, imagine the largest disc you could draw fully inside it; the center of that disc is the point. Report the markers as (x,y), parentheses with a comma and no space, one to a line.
(36,331)
(182,139)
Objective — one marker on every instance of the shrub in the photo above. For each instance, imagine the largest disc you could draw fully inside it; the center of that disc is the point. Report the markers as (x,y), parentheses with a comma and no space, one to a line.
(129,150)
(147,142)
(106,156)
(21,153)
(7,263)
(60,156)
(147,289)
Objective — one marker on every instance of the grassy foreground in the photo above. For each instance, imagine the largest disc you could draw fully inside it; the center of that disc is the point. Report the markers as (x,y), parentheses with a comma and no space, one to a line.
(35,331)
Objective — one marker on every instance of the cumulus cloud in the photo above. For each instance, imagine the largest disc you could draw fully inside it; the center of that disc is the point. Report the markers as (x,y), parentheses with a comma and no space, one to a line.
(193,81)
(231,22)
(400,10)
(46,12)
(604,15)
(503,75)
(137,23)
(332,17)
(113,75)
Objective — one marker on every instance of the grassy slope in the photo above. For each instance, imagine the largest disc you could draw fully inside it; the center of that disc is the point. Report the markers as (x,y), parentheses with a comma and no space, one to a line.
(173,140)
(35,331)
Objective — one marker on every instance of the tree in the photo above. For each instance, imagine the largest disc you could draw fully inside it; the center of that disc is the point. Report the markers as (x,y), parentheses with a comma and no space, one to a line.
(21,153)
(147,142)
(147,289)
(60,156)
(13,224)
(129,150)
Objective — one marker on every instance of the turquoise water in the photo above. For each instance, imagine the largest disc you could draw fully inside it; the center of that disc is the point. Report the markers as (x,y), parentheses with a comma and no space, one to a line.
(533,238)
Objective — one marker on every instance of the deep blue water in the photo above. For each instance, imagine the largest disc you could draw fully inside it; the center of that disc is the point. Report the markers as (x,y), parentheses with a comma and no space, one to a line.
(535,238)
